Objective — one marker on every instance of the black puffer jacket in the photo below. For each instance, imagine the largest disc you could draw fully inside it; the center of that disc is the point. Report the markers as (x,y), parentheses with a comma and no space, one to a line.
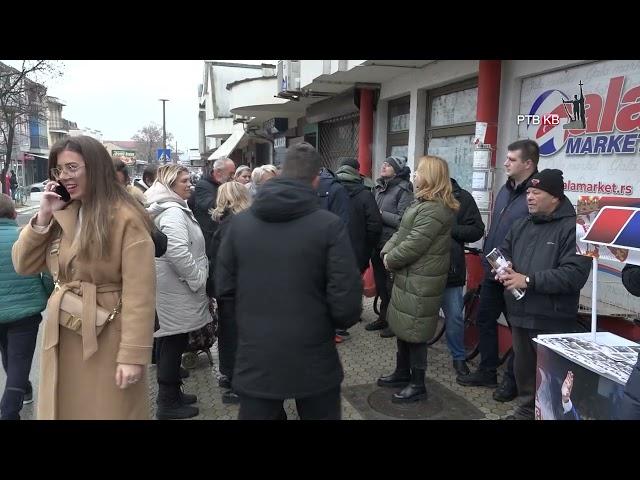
(205,197)
(393,197)
(544,248)
(294,276)
(365,221)
(333,196)
(468,228)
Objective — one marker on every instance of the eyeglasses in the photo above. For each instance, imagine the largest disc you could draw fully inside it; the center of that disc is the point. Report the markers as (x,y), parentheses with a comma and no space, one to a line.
(70,169)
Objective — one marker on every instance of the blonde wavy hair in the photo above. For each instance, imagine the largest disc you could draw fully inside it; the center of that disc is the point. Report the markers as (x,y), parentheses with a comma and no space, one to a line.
(433,182)
(168,174)
(232,196)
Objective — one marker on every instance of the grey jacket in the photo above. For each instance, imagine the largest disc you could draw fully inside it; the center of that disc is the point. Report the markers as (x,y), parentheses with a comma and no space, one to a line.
(181,299)
(393,197)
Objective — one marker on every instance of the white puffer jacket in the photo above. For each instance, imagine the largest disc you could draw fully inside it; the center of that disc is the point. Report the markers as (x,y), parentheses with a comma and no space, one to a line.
(181,299)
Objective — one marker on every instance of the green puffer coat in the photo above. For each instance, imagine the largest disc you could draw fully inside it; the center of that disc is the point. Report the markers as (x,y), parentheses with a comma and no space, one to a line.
(20,296)
(418,255)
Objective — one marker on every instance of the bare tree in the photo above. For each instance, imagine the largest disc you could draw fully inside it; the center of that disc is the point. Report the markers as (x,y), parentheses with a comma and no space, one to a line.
(22,98)
(149,139)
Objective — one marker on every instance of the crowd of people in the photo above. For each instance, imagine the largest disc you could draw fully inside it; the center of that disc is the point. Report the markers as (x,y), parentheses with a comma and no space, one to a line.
(127,272)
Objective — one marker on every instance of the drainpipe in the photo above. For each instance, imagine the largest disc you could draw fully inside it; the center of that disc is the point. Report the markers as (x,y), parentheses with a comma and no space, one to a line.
(365,134)
(489,101)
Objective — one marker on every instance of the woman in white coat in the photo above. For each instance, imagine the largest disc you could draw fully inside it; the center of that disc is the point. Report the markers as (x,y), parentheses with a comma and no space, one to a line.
(181,299)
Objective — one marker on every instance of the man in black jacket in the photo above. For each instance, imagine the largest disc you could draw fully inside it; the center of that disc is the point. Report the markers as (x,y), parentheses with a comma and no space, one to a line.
(206,194)
(630,407)
(542,251)
(333,196)
(365,221)
(293,288)
(509,206)
(468,228)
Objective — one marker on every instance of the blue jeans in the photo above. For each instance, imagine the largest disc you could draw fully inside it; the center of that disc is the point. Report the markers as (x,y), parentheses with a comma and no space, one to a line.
(17,345)
(452,306)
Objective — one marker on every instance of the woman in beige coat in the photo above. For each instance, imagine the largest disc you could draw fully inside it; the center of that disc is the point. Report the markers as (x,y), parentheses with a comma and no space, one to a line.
(98,246)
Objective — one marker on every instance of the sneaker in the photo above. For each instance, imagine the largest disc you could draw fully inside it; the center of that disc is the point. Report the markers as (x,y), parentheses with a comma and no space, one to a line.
(507,391)
(379,324)
(343,335)
(28,398)
(479,378)
(230,397)
(338,339)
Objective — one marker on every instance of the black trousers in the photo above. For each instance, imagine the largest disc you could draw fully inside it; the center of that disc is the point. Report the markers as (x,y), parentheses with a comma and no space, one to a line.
(326,406)
(227,336)
(17,344)
(491,305)
(411,355)
(383,281)
(169,352)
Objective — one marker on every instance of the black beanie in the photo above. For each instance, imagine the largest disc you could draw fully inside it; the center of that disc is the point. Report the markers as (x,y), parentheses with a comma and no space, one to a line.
(549,180)
(350,162)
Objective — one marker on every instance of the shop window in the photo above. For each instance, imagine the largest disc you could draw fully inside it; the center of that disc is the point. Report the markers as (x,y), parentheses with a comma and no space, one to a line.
(451,117)
(398,126)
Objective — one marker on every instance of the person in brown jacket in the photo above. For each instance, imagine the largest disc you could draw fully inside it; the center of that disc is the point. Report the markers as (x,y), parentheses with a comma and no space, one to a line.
(96,245)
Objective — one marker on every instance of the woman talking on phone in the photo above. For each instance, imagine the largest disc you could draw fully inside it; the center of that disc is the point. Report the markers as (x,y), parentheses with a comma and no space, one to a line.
(95,240)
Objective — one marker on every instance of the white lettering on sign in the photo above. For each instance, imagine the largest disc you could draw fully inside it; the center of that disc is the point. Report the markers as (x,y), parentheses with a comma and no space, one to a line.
(280,142)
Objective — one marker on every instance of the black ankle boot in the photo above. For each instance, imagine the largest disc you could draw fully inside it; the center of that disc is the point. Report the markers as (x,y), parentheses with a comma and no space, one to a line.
(413,392)
(187,398)
(170,406)
(399,378)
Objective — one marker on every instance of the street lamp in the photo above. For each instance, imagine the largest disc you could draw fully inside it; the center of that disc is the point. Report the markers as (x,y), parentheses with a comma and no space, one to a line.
(164,130)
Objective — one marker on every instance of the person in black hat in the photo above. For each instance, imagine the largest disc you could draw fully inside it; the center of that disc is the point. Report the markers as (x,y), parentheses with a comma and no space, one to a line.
(544,263)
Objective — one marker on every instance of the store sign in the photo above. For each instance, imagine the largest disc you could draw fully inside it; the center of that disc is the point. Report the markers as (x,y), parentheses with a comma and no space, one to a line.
(601,99)
(123,153)
(280,142)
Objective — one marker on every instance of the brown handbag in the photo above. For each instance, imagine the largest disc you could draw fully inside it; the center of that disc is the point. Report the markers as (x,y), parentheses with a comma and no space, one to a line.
(71,304)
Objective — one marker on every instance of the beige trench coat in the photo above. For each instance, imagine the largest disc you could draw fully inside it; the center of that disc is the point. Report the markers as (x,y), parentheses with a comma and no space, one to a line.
(72,386)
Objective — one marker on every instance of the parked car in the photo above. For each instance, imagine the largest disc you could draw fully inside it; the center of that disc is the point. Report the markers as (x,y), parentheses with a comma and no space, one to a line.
(38,186)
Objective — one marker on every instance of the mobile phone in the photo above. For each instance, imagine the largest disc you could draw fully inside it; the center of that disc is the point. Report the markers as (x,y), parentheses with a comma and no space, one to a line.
(63,192)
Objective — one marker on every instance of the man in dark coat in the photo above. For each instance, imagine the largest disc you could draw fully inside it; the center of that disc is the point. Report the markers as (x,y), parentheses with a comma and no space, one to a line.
(467,228)
(542,251)
(293,288)
(510,205)
(333,196)
(206,194)
(365,221)
(630,407)
(148,177)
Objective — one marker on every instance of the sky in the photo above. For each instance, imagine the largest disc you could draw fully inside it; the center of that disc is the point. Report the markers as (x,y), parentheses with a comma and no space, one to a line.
(119,97)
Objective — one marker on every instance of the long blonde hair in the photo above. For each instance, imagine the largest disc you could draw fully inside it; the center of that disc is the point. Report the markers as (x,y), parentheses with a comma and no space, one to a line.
(435,184)
(232,196)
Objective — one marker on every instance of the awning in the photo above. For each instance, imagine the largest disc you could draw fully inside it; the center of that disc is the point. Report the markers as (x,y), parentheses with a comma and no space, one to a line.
(230,143)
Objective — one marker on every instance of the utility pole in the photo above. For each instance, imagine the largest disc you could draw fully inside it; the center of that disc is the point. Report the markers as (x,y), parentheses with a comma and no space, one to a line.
(164,127)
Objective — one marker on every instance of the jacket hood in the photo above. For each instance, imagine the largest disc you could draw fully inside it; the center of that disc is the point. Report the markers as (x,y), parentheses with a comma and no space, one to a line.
(348,174)
(565,209)
(282,199)
(457,189)
(161,197)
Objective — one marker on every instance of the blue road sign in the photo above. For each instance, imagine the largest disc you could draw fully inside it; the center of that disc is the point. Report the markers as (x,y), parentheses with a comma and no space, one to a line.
(163,155)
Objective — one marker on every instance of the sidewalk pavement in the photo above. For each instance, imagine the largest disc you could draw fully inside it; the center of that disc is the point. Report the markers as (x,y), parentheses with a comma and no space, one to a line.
(365,357)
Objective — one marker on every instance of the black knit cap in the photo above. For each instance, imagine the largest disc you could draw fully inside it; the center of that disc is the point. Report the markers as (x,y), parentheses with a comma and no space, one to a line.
(549,180)
(350,162)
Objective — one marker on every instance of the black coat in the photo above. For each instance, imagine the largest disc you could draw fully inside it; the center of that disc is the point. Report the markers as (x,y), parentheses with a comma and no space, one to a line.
(293,273)
(365,221)
(204,198)
(222,226)
(468,228)
(544,248)
(333,196)
(510,205)
(393,197)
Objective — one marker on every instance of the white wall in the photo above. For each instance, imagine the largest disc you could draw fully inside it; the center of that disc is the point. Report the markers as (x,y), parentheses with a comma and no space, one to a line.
(309,70)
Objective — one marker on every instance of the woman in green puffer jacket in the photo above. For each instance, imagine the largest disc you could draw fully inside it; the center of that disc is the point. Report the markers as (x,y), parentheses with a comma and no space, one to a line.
(22,298)
(418,256)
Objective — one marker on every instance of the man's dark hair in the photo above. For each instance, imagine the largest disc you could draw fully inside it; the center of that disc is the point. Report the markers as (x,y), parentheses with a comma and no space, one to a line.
(149,173)
(121,167)
(302,162)
(529,149)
